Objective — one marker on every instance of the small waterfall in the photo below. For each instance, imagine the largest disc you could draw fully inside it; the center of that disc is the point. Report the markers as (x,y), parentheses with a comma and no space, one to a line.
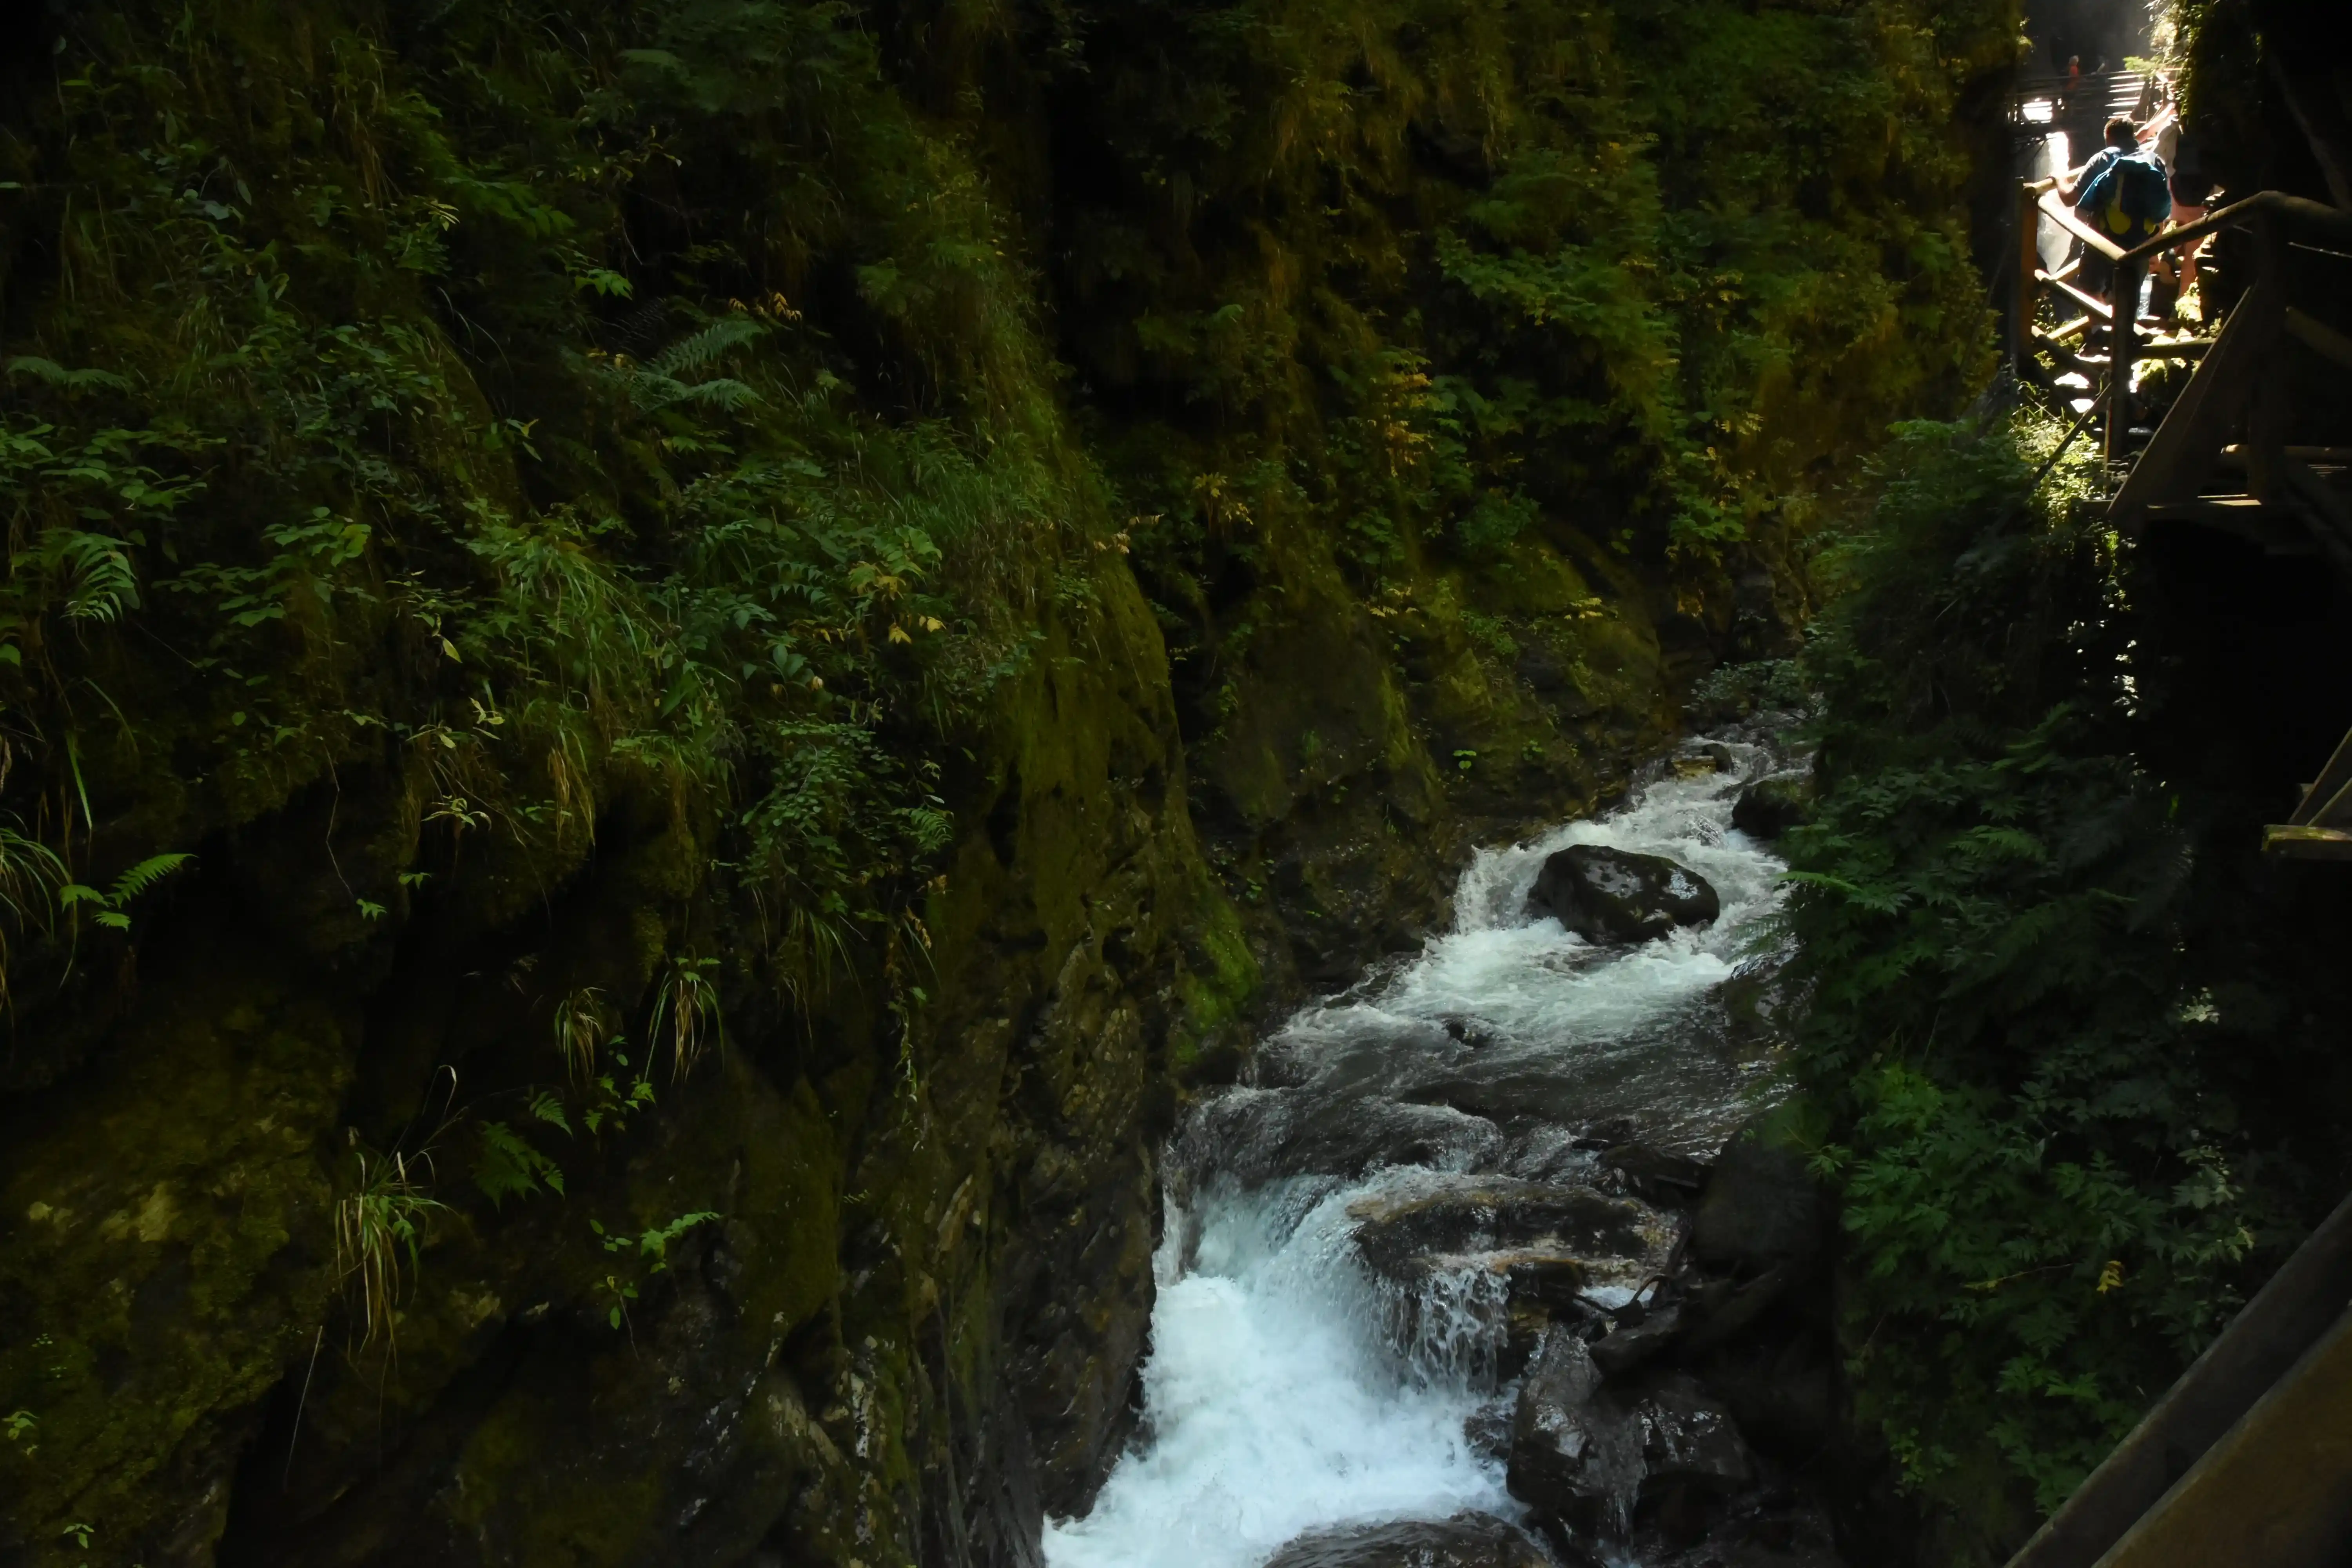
(1290,1385)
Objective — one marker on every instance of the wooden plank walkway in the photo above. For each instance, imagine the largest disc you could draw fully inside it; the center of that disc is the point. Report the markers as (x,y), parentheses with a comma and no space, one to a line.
(2249,1457)
(2219,457)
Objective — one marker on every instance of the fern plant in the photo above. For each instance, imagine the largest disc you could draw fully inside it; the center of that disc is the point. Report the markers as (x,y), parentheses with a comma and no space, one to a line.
(110,908)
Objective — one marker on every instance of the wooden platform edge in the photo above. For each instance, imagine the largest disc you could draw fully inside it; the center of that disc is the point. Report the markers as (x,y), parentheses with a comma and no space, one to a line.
(2291,841)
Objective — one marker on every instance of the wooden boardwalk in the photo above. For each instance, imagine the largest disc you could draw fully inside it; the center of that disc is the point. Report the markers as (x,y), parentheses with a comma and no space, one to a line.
(2219,454)
(2249,1457)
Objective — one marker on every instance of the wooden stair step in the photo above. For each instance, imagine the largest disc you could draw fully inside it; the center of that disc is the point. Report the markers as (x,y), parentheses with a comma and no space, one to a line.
(2292,841)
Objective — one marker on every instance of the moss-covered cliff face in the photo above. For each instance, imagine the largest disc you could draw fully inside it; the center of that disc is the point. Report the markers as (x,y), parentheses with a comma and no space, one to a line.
(670,668)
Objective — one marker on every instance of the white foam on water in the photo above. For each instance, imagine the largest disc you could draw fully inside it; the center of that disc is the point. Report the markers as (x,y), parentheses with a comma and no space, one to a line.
(1276,1404)
(1275,1400)
(1532,979)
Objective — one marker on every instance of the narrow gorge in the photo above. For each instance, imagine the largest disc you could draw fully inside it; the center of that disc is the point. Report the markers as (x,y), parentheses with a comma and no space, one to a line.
(806,782)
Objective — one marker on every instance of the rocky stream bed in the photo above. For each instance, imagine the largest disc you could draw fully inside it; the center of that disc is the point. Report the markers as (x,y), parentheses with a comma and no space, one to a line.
(1491,1262)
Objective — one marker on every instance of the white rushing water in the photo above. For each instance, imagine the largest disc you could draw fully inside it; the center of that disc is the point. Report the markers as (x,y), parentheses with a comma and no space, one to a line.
(1274,1399)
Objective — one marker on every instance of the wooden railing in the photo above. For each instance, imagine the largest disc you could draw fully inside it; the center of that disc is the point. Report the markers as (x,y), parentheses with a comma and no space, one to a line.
(2232,363)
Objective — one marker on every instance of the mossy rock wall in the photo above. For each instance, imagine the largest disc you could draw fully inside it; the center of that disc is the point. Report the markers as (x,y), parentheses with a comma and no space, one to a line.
(915,1321)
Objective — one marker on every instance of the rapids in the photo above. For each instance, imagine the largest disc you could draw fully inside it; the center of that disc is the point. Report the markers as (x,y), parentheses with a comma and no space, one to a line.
(1287,1388)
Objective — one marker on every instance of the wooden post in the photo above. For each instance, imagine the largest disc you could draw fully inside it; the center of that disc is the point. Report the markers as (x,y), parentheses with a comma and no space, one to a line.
(2267,413)
(2123,345)
(2025,299)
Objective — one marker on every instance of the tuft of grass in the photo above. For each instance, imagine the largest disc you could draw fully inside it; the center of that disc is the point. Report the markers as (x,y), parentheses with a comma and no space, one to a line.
(686,1017)
(380,1235)
(582,1025)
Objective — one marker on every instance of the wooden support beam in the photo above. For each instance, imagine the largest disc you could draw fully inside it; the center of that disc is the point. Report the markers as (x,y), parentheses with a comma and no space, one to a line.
(2073,328)
(2319,337)
(2093,366)
(2333,455)
(2123,356)
(2267,414)
(2025,300)
(2332,778)
(2083,297)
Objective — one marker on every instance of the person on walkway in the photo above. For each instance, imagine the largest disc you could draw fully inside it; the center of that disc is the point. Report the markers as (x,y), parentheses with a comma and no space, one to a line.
(2192,196)
(2124,193)
(2120,135)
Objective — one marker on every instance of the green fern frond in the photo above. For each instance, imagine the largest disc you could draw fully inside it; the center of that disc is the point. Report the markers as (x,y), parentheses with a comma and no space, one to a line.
(146,875)
(700,349)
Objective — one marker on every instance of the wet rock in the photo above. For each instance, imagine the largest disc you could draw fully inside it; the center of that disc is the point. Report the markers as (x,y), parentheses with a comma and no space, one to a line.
(1769,807)
(1723,1308)
(1761,1207)
(1655,1175)
(1714,757)
(1256,1135)
(1441,1221)
(1628,1345)
(1694,1461)
(1487,1430)
(1466,1540)
(1604,894)
(1766,1528)
(1689,1441)
(1575,1454)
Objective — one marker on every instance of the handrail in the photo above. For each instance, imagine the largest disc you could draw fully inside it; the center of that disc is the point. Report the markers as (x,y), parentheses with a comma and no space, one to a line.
(2269,213)
(2260,1344)
(2277,202)
(2065,220)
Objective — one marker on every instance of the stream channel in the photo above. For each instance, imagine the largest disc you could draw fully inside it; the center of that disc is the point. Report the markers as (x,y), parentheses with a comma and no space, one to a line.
(1321,1360)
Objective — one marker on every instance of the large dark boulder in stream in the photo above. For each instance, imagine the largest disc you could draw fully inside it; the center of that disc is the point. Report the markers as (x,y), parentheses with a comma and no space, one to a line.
(1466,1540)
(1769,807)
(1604,894)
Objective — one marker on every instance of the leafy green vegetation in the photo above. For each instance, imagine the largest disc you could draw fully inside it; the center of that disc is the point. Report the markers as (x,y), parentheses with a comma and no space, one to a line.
(397,432)
(1420,281)
(2054,1058)
(605,530)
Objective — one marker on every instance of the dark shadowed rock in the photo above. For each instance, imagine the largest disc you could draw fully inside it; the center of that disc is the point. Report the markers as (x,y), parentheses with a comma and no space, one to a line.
(1629,1345)
(1690,1441)
(1769,807)
(1604,894)
(1575,1453)
(1761,1207)
(1466,1540)
(1655,1175)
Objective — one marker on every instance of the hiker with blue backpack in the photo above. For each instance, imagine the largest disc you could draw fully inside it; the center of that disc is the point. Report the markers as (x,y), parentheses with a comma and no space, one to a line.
(2123,193)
